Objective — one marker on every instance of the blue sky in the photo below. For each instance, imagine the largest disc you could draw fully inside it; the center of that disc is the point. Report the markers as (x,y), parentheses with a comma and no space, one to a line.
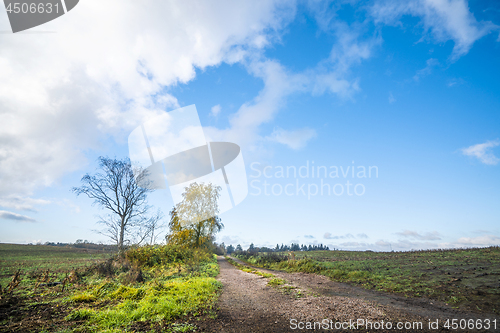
(409,88)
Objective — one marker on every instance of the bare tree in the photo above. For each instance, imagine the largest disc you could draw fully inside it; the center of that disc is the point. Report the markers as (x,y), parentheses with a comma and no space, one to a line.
(154,226)
(115,189)
(147,231)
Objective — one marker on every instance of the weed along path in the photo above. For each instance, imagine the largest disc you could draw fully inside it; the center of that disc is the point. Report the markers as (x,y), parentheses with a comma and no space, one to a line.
(260,300)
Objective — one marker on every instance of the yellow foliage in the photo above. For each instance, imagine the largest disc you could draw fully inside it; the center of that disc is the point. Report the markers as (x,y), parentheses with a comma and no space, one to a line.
(200,201)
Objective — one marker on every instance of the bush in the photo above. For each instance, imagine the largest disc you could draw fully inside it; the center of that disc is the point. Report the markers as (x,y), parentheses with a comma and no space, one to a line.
(264,260)
(165,255)
(270,258)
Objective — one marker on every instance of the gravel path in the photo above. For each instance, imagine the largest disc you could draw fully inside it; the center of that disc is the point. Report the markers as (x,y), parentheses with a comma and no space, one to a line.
(249,304)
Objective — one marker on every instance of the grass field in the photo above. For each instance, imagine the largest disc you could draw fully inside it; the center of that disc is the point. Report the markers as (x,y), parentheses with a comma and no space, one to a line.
(468,278)
(33,259)
(152,289)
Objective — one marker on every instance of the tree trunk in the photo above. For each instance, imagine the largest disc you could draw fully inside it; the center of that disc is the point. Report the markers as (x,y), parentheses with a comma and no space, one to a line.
(120,243)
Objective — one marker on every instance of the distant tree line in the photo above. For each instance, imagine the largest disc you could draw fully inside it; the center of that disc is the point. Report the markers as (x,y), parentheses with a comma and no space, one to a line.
(283,248)
(81,244)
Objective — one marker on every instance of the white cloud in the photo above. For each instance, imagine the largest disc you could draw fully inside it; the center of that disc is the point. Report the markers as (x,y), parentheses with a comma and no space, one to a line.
(215,110)
(444,19)
(21,203)
(483,152)
(16,217)
(307,236)
(228,240)
(452,82)
(486,240)
(295,139)
(332,75)
(385,245)
(351,48)
(419,242)
(245,123)
(328,235)
(87,82)
(427,70)
(413,234)
(391,98)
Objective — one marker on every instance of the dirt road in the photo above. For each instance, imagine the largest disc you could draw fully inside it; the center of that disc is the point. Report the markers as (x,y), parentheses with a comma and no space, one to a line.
(249,304)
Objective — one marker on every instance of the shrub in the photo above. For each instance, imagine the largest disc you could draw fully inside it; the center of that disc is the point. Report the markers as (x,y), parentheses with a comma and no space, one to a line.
(270,258)
(165,255)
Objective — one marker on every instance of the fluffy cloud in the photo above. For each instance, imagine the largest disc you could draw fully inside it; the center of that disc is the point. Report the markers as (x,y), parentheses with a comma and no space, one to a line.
(295,139)
(88,81)
(413,234)
(228,240)
(483,152)
(444,19)
(384,245)
(486,240)
(16,217)
(328,235)
(21,203)
(215,110)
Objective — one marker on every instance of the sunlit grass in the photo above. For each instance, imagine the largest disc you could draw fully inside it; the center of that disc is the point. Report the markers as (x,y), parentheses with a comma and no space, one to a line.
(167,295)
(276,282)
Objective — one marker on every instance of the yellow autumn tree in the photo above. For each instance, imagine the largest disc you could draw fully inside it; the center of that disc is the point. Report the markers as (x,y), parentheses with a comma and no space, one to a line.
(195,221)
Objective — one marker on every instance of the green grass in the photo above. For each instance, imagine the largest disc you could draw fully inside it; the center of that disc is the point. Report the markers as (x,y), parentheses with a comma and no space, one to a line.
(248,269)
(264,275)
(276,282)
(33,259)
(167,295)
(468,278)
(153,302)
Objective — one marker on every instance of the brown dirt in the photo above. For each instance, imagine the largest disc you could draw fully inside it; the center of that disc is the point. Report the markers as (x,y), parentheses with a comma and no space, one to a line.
(17,317)
(249,304)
